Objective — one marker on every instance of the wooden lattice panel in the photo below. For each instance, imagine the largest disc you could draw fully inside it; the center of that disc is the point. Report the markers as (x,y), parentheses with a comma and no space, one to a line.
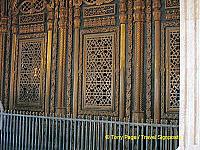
(98,71)
(173,69)
(30,74)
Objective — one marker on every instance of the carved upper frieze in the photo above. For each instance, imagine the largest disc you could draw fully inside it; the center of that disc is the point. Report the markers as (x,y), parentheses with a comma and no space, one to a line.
(97,2)
(92,2)
(32,6)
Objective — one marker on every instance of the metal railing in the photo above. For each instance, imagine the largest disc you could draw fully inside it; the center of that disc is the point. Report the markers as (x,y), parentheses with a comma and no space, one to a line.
(23,131)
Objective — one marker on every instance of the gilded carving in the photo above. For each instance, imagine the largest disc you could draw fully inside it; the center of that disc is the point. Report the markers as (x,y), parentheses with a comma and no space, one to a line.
(95,11)
(109,106)
(32,6)
(31,18)
(172,14)
(97,2)
(31,28)
(148,59)
(69,56)
(95,22)
(54,56)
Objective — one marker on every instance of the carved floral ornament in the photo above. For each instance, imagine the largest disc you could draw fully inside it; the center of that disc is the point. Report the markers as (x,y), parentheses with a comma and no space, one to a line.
(92,2)
(32,6)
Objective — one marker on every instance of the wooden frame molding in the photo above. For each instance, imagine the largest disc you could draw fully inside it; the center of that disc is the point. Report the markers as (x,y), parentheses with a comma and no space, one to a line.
(122,18)
(76,56)
(157,101)
(49,49)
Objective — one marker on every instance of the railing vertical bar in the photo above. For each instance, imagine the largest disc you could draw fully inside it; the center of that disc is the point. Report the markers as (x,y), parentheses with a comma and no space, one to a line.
(82,134)
(52,130)
(36,131)
(106,126)
(165,135)
(161,133)
(26,132)
(128,133)
(102,134)
(151,145)
(142,133)
(63,140)
(70,128)
(115,132)
(176,141)
(78,134)
(86,133)
(23,135)
(147,133)
(75,137)
(10,130)
(1,129)
(49,132)
(32,129)
(119,140)
(67,134)
(7,130)
(124,127)
(137,138)
(156,144)
(60,133)
(110,133)
(171,134)
(94,134)
(45,132)
(98,134)
(56,128)
(39,133)
(42,132)
(16,130)
(90,133)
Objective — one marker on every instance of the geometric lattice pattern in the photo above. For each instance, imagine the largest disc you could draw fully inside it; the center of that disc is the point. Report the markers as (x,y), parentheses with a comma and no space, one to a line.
(29,71)
(172,4)
(33,6)
(98,68)
(174,70)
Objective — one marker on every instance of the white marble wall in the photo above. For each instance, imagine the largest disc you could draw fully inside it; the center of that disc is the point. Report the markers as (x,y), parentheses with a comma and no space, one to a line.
(190,75)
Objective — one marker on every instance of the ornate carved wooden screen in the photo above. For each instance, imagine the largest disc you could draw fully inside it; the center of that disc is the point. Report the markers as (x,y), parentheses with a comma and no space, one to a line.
(172,69)
(98,76)
(30,48)
(170,60)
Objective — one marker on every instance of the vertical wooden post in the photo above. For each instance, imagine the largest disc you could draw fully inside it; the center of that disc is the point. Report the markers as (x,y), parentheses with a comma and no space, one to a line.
(49,48)
(157,15)
(76,62)
(61,56)
(139,47)
(122,57)
(13,61)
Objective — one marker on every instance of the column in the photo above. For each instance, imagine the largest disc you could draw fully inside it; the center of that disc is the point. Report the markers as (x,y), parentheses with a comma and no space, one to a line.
(157,16)
(49,48)
(138,59)
(189,75)
(13,61)
(122,18)
(61,57)
(76,62)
